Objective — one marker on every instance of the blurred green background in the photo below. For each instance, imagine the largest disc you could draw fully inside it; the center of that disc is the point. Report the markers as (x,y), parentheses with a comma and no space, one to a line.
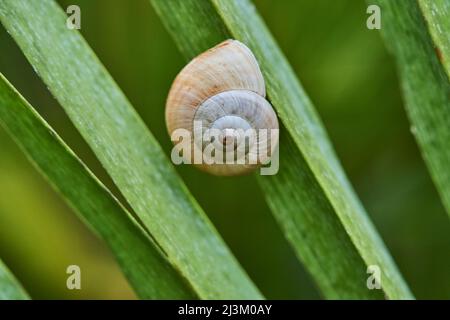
(350,78)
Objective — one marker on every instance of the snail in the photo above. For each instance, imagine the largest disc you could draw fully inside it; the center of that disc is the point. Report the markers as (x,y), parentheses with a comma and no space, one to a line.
(223,91)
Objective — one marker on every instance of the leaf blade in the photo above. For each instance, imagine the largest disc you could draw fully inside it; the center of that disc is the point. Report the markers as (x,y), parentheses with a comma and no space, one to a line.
(315,232)
(437,13)
(425,85)
(10,288)
(145,266)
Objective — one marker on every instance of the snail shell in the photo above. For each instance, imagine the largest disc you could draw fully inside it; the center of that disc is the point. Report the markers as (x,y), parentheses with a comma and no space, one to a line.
(225,90)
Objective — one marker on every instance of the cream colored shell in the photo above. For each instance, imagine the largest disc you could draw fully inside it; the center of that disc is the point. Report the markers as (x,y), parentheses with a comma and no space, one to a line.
(224,88)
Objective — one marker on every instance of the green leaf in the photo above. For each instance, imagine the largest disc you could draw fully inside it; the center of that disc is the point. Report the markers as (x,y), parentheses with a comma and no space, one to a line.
(142,262)
(310,196)
(312,227)
(10,288)
(425,84)
(125,147)
(437,17)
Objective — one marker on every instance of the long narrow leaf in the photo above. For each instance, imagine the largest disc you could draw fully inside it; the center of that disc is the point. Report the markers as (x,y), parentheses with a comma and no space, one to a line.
(10,289)
(142,262)
(312,227)
(323,219)
(437,17)
(125,147)
(426,86)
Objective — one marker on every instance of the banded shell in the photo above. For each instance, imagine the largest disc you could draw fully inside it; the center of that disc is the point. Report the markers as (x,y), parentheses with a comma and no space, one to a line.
(223,89)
